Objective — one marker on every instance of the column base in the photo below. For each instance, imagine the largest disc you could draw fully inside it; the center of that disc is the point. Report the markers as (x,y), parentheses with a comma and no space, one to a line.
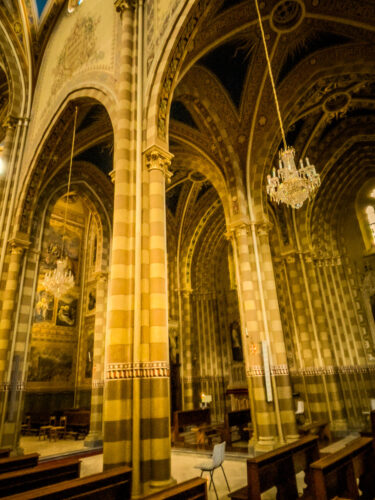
(154,485)
(264,443)
(290,438)
(339,428)
(94,440)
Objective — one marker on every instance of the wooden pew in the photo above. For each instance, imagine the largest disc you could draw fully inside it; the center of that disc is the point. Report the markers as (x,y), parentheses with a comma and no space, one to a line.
(20,462)
(337,474)
(320,427)
(185,420)
(50,472)
(4,452)
(238,418)
(279,468)
(188,490)
(114,484)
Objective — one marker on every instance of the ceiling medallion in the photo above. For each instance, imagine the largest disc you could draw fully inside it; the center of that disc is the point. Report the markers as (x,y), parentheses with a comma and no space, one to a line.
(336,105)
(287,15)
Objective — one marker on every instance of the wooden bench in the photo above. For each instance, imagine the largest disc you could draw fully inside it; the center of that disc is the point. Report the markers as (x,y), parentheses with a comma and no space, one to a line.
(320,427)
(50,472)
(337,474)
(279,468)
(188,490)
(114,484)
(4,452)
(240,419)
(20,462)
(184,421)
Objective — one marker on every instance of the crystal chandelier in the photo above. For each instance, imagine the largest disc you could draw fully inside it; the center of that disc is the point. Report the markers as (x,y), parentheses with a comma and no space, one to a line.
(288,184)
(60,280)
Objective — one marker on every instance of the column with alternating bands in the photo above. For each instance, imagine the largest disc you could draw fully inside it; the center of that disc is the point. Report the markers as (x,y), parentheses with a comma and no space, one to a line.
(355,355)
(277,345)
(265,434)
(95,437)
(157,162)
(17,249)
(336,404)
(117,410)
(186,348)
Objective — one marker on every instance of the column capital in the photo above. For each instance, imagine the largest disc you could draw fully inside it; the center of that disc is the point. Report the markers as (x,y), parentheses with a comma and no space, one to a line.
(123,5)
(237,226)
(159,159)
(18,244)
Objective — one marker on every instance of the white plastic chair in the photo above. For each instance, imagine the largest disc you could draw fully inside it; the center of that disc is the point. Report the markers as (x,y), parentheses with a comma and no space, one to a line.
(215,462)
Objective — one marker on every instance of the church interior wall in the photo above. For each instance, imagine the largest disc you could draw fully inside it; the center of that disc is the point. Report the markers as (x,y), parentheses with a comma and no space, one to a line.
(187,276)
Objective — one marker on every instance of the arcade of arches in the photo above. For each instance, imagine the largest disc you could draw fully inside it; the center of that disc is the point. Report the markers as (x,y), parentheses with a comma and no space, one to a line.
(186,274)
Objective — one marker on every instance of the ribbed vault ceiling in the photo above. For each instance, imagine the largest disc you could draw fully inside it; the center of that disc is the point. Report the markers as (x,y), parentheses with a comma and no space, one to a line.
(323,58)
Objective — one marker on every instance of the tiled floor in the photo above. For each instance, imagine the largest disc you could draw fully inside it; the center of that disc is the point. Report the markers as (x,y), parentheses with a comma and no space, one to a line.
(183,463)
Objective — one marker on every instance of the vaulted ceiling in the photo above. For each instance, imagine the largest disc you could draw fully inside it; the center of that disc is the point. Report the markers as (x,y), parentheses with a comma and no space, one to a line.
(323,61)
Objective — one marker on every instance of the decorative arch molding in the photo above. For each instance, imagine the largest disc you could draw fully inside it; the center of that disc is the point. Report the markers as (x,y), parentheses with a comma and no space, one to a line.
(96,92)
(161,87)
(45,153)
(189,251)
(16,72)
(211,172)
(91,185)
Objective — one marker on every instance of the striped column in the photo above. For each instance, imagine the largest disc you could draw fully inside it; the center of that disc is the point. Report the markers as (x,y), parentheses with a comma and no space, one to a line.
(279,369)
(119,369)
(265,434)
(186,351)
(308,345)
(157,162)
(335,406)
(17,249)
(95,436)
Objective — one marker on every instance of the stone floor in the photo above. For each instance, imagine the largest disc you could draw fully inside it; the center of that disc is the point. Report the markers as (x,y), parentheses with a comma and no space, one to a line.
(183,463)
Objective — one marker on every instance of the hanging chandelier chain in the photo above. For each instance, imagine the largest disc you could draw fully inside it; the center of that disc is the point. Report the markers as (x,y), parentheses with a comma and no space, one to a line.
(69,178)
(271,75)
